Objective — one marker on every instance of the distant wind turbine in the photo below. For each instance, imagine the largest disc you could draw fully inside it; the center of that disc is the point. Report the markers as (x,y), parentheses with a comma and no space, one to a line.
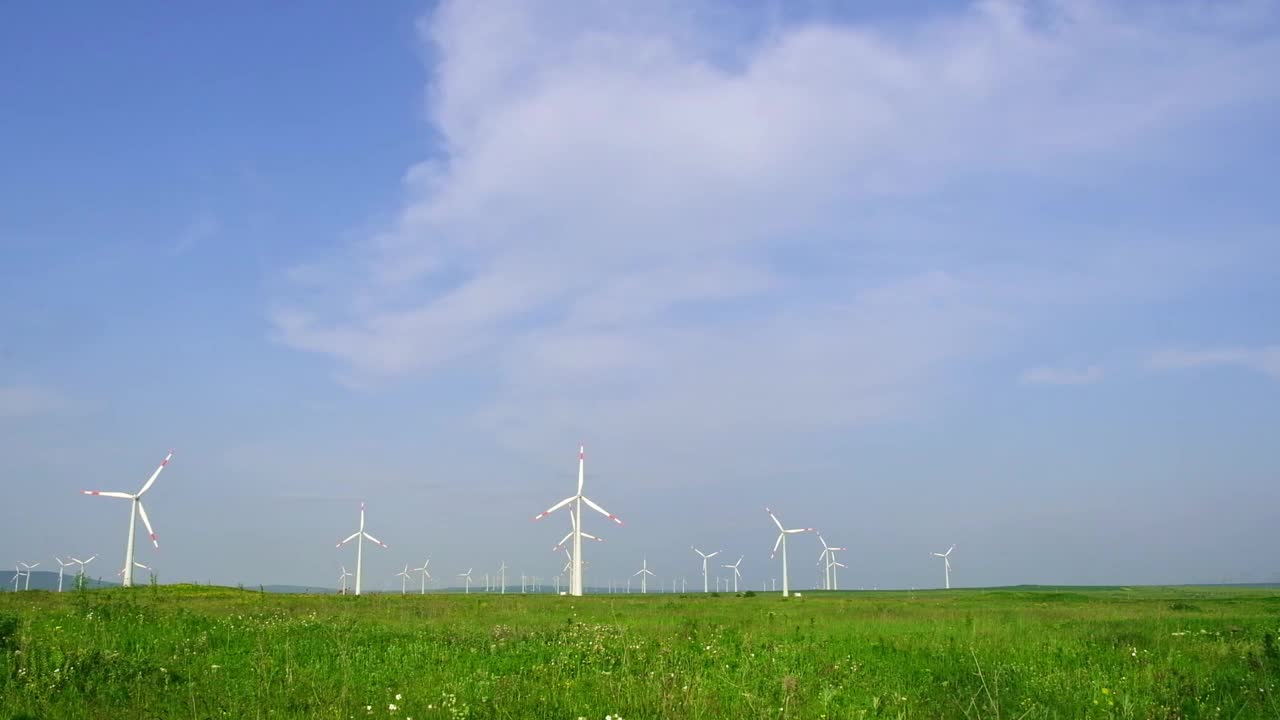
(705,558)
(575,579)
(343,578)
(737,574)
(61,567)
(359,536)
(828,556)
(644,574)
(136,564)
(425,576)
(134,512)
(80,575)
(27,572)
(467,577)
(782,540)
(404,579)
(946,564)
(502,574)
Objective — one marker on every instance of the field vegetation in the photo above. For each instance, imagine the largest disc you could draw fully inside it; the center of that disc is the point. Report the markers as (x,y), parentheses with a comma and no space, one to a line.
(197,652)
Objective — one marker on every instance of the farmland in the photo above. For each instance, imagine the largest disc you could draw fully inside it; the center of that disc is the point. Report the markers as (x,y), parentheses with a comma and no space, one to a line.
(196,652)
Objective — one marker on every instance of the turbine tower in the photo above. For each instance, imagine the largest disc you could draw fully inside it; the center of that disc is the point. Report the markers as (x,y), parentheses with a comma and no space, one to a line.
(705,558)
(359,536)
(737,574)
(946,564)
(575,578)
(644,574)
(134,512)
(782,540)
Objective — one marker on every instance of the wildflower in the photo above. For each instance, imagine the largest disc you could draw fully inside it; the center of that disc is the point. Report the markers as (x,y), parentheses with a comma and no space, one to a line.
(392,707)
(397,696)
(1106,691)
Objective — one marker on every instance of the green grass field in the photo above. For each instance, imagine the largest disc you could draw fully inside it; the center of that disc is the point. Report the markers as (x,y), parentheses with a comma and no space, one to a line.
(194,652)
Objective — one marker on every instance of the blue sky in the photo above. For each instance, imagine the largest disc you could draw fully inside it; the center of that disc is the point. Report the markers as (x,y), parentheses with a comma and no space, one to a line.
(996,274)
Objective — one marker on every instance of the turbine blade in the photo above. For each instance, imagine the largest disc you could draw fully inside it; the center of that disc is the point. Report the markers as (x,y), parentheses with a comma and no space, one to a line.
(776,543)
(554,508)
(798,530)
(601,510)
(563,540)
(105,493)
(582,459)
(354,535)
(151,481)
(374,539)
(146,521)
(591,537)
(775,518)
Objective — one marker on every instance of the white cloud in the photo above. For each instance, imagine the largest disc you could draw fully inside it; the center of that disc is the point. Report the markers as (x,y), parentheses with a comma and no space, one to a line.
(1061,376)
(620,208)
(24,401)
(1263,359)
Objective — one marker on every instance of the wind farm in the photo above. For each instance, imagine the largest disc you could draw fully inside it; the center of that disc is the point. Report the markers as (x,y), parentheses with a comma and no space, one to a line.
(978,301)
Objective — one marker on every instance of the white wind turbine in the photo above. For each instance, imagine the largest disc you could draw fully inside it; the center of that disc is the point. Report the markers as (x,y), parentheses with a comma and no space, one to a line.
(359,536)
(782,540)
(425,576)
(404,579)
(136,564)
(61,567)
(17,576)
(575,578)
(946,564)
(737,574)
(27,571)
(134,512)
(502,573)
(831,582)
(343,578)
(644,574)
(467,577)
(705,558)
(82,563)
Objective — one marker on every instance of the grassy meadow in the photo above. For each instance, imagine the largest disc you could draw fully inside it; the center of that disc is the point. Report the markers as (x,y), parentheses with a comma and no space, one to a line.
(197,652)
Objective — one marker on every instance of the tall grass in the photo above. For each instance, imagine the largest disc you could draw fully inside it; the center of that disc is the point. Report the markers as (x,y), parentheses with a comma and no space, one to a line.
(191,652)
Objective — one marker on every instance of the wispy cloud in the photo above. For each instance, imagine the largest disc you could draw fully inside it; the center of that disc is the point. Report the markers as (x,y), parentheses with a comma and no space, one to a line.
(23,401)
(200,229)
(1262,359)
(1061,376)
(621,209)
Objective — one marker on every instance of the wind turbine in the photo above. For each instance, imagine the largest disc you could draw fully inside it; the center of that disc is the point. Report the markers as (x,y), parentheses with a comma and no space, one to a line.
(61,567)
(828,555)
(404,578)
(359,536)
(467,576)
(644,574)
(17,575)
(343,578)
(575,579)
(705,558)
(135,511)
(81,563)
(502,573)
(946,564)
(425,575)
(121,571)
(27,572)
(782,540)
(737,574)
